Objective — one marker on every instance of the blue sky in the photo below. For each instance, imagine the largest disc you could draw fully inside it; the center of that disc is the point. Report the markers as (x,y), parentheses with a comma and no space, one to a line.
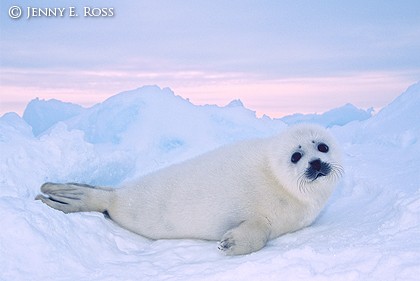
(278,57)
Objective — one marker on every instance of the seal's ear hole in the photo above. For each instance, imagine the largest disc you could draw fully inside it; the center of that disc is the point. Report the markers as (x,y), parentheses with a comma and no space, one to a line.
(296,157)
(322,147)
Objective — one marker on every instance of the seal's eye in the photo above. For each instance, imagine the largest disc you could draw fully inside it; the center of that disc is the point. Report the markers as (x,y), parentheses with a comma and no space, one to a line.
(322,147)
(296,157)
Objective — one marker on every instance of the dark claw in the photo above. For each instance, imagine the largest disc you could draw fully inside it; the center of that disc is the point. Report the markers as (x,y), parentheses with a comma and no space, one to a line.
(225,245)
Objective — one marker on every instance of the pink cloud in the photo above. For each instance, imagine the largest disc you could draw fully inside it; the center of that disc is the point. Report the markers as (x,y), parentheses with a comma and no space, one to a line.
(273,97)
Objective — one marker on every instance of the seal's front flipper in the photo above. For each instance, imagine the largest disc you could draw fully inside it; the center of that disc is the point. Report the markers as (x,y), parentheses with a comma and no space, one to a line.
(73,197)
(248,237)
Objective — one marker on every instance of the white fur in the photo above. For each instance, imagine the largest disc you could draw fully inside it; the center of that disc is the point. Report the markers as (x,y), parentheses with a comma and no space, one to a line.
(242,194)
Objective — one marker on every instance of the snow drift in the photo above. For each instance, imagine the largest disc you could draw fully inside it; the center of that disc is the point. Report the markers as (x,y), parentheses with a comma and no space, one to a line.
(368,231)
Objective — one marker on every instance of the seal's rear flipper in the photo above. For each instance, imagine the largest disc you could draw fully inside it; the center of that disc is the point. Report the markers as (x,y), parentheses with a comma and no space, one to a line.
(74,197)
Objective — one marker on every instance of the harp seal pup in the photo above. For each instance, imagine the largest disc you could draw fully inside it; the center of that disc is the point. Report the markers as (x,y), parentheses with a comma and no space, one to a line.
(242,194)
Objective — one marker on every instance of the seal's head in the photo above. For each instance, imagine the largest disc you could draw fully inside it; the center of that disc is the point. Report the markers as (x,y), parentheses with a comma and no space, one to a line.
(307,161)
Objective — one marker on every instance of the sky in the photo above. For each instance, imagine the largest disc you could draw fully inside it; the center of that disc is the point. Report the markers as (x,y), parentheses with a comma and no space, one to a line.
(278,57)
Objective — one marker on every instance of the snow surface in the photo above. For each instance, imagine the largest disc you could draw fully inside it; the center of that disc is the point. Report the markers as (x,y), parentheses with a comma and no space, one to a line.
(337,116)
(369,230)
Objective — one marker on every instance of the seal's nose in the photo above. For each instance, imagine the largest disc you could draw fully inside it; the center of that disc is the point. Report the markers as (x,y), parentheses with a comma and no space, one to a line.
(316,164)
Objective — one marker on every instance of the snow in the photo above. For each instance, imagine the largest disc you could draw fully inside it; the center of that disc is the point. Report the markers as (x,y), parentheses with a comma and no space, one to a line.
(41,114)
(369,229)
(337,116)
